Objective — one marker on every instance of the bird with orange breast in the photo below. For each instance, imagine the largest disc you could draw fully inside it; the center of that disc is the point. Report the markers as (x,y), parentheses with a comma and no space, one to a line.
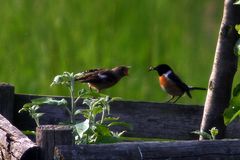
(171,83)
(100,79)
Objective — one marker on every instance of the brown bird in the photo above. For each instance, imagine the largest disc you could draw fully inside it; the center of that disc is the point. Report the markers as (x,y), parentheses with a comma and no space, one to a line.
(100,79)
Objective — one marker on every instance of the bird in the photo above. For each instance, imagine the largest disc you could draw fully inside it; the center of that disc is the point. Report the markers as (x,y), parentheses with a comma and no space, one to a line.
(100,78)
(171,83)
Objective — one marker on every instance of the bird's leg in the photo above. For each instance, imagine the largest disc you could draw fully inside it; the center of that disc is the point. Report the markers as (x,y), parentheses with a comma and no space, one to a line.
(90,88)
(170,99)
(177,99)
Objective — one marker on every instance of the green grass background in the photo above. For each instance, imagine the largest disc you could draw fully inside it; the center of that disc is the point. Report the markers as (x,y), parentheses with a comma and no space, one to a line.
(40,39)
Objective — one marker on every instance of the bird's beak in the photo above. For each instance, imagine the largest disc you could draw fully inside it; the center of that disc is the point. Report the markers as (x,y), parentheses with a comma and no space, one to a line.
(126,73)
(151,68)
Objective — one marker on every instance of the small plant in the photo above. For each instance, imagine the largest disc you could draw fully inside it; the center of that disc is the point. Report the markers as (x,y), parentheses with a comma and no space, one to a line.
(96,127)
(212,136)
(233,111)
(98,131)
(34,105)
(67,79)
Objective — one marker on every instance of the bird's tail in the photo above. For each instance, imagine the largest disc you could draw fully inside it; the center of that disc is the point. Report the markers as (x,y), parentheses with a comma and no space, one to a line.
(196,88)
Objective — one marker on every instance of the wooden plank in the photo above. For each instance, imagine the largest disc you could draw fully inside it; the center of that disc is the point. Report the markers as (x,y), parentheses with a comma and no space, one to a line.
(48,136)
(180,150)
(159,120)
(6,100)
(148,119)
(152,120)
(14,144)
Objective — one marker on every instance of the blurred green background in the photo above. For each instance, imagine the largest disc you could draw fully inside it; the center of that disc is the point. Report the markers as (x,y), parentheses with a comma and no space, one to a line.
(42,38)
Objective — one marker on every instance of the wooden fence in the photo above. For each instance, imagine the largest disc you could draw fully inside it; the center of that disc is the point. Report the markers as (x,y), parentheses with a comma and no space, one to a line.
(150,120)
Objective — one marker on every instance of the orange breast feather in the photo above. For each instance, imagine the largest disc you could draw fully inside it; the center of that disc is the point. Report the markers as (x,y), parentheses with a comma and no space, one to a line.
(169,86)
(163,81)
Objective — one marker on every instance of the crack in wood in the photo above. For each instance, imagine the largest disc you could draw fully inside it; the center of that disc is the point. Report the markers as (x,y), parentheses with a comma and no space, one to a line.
(10,140)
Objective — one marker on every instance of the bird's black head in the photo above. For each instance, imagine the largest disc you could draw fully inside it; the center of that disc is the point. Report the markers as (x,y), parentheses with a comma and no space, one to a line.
(161,69)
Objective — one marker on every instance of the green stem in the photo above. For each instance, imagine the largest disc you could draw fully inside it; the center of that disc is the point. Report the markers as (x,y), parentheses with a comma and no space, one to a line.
(87,142)
(72,102)
(103,115)
(79,97)
(37,121)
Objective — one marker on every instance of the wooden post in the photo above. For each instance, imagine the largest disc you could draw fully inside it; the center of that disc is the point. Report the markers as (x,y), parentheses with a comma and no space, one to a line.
(14,144)
(48,136)
(6,100)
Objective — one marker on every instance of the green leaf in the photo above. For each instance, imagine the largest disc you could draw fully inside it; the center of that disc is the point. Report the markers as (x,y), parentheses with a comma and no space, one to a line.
(38,101)
(57,80)
(237,47)
(87,94)
(77,112)
(34,107)
(214,132)
(118,134)
(236,90)
(107,139)
(103,130)
(82,127)
(97,110)
(205,135)
(63,79)
(96,102)
(106,119)
(115,99)
(57,102)
(28,132)
(82,92)
(37,115)
(122,124)
(233,111)
(237,2)
(87,102)
(25,107)
(85,113)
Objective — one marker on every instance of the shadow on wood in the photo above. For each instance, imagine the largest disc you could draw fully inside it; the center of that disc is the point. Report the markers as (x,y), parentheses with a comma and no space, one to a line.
(151,120)
(49,136)
(180,150)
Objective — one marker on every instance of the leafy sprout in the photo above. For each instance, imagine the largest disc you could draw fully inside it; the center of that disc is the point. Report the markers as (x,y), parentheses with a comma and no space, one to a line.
(94,129)
(237,2)
(212,136)
(96,126)
(34,105)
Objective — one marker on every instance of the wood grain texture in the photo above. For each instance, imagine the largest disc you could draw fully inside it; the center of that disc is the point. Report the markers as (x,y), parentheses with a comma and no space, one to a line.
(14,145)
(48,136)
(180,150)
(148,119)
(159,120)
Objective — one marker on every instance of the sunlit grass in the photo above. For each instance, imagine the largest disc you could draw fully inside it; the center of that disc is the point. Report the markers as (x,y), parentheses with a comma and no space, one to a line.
(40,39)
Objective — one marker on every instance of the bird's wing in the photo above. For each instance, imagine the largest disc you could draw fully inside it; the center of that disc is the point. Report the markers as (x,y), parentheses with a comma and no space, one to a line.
(178,81)
(97,76)
(84,75)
